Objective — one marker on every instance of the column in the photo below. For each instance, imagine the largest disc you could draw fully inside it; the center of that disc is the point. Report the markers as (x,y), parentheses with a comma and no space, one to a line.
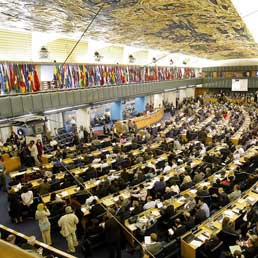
(83,118)
(140,103)
(116,110)
(158,100)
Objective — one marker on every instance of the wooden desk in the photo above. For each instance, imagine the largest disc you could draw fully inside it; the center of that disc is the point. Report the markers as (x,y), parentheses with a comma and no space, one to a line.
(188,250)
(180,201)
(210,100)
(213,225)
(12,164)
(10,251)
(245,126)
(50,249)
(143,121)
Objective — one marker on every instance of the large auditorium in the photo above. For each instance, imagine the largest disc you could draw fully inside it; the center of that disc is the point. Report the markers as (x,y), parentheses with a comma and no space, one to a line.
(128,129)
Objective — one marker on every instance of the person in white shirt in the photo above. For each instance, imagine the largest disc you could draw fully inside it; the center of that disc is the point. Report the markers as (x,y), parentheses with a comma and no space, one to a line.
(151,165)
(175,188)
(68,224)
(27,197)
(177,145)
(149,204)
(140,193)
(203,150)
(81,134)
(174,164)
(205,208)
(89,200)
(241,150)
(236,155)
(34,151)
(167,168)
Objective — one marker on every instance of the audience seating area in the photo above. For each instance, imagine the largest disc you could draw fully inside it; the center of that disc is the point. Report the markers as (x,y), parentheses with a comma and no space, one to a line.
(174,181)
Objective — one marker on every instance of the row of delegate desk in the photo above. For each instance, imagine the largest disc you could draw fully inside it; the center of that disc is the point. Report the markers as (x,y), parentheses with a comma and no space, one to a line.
(181,200)
(107,141)
(109,200)
(194,240)
(244,128)
(68,192)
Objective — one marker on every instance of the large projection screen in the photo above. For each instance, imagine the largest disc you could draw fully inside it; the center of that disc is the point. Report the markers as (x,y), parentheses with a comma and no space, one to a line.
(239,84)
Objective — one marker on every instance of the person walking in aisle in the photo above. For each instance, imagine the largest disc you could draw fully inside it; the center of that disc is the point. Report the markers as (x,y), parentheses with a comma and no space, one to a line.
(68,224)
(34,152)
(41,215)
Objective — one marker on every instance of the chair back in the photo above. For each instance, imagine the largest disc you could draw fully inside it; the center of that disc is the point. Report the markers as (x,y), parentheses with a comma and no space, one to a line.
(171,248)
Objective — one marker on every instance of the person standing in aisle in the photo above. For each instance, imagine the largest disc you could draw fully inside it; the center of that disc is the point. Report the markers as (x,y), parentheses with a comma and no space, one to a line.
(2,175)
(112,231)
(33,152)
(41,215)
(68,226)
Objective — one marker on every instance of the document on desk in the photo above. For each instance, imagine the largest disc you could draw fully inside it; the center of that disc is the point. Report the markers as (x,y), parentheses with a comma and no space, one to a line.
(241,201)
(193,191)
(83,210)
(155,213)
(132,227)
(64,194)
(234,248)
(203,237)
(196,243)
(229,213)
(108,202)
(147,240)
(116,198)
(181,199)
(205,184)
(251,200)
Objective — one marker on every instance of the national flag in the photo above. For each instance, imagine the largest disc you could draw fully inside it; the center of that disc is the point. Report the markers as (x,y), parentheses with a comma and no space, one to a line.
(6,79)
(36,80)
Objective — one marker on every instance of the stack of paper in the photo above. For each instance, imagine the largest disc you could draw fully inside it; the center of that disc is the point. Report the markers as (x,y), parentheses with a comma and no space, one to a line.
(229,213)
(234,248)
(147,240)
(132,227)
(64,194)
(196,243)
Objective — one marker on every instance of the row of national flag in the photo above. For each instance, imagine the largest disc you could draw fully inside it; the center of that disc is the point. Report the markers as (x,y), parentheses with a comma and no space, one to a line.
(22,78)
(18,78)
(81,76)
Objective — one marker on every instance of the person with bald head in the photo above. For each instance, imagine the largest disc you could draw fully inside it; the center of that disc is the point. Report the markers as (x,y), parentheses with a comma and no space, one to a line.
(68,224)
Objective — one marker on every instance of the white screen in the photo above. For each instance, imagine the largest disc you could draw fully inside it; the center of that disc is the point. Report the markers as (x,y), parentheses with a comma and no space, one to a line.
(239,84)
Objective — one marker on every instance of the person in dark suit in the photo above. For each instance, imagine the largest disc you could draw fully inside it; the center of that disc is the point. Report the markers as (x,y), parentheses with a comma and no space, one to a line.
(222,198)
(97,209)
(188,220)
(178,229)
(249,219)
(210,244)
(167,212)
(137,208)
(112,232)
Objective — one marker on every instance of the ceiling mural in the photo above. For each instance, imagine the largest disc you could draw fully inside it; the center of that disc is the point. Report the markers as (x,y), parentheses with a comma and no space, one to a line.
(205,28)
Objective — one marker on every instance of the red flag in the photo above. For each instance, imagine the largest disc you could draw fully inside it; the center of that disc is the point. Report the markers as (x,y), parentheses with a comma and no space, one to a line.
(36,81)
(12,79)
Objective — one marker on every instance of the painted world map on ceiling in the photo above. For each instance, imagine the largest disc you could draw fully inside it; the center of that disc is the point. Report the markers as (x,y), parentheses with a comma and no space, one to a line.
(205,28)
